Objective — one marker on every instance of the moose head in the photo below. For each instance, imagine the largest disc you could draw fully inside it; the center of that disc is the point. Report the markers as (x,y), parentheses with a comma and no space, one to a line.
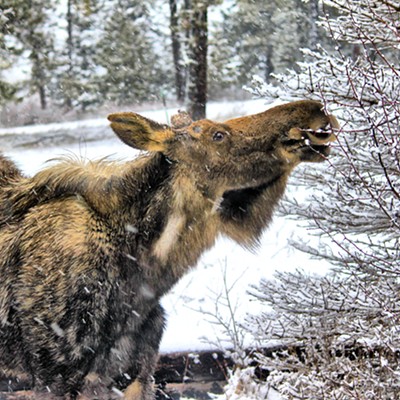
(241,152)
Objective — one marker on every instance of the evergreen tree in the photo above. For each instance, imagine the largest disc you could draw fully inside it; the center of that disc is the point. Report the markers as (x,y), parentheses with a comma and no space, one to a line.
(7,52)
(244,45)
(131,69)
(262,37)
(25,29)
(178,44)
(291,22)
(198,63)
(29,30)
(74,83)
(7,91)
(190,42)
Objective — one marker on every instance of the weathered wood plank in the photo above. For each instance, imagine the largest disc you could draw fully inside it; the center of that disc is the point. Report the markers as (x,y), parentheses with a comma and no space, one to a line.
(202,366)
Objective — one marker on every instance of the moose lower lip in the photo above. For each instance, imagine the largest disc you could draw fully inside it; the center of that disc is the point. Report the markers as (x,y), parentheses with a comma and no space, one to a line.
(315,146)
(322,149)
(314,149)
(321,135)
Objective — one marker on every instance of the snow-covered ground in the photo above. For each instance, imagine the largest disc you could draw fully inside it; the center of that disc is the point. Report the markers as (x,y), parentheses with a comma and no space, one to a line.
(200,295)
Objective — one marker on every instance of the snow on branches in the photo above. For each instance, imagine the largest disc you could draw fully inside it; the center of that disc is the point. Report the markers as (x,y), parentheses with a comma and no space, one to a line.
(342,330)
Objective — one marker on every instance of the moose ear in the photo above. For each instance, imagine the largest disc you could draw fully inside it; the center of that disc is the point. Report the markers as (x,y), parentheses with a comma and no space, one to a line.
(140,132)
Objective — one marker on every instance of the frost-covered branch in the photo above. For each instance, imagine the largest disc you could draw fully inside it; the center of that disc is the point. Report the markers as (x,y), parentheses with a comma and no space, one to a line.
(343,328)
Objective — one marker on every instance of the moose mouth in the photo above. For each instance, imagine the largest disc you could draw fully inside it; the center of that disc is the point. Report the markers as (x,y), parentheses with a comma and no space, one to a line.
(312,152)
(321,137)
(323,150)
(314,144)
(320,141)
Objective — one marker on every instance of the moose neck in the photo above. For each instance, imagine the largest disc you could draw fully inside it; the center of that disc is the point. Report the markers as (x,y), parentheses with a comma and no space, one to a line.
(178,215)
(177,222)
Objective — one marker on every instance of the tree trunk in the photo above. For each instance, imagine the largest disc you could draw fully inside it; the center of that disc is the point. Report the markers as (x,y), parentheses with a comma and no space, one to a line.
(269,67)
(43,99)
(198,44)
(66,91)
(38,74)
(314,34)
(176,52)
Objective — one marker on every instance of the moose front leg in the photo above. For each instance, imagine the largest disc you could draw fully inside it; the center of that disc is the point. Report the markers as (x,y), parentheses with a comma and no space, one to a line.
(144,357)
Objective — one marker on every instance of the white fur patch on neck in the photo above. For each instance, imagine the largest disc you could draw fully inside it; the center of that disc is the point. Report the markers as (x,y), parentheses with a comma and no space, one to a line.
(217,204)
(169,236)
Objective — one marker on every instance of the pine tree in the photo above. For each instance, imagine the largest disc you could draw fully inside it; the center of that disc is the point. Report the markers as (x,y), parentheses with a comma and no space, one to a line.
(7,52)
(74,83)
(246,36)
(198,63)
(290,34)
(131,69)
(189,37)
(28,27)
(178,44)
(262,37)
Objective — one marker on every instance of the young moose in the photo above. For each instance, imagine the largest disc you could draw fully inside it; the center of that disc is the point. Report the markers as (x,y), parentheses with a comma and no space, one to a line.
(87,250)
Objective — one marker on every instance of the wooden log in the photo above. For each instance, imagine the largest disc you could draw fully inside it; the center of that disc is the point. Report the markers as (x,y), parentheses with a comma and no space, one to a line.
(204,366)
(192,390)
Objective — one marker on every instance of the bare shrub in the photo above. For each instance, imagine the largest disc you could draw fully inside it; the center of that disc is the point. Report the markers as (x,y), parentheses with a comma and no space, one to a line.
(342,330)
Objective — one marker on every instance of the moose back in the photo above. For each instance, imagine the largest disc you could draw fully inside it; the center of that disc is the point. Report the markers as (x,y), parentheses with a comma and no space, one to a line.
(87,249)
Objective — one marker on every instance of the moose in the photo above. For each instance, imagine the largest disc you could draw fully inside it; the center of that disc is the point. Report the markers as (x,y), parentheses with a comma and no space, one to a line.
(87,249)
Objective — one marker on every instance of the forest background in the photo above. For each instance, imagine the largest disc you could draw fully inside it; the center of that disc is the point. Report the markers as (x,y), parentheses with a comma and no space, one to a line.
(66,59)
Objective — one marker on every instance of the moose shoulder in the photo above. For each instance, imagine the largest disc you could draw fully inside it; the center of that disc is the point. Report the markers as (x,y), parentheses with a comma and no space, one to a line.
(88,249)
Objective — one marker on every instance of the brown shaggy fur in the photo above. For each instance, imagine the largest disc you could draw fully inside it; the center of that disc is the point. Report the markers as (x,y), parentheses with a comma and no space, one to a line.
(88,249)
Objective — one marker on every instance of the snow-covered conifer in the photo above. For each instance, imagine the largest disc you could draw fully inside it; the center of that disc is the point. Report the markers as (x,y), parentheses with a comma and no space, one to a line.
(26,30)
(130,68)
(74,83)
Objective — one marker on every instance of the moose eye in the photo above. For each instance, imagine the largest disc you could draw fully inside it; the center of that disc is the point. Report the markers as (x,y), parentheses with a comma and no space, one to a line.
(218,136)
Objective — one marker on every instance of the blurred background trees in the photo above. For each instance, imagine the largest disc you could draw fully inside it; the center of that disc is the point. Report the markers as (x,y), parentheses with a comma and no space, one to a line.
(73,85)
(70,57)
(24,30)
